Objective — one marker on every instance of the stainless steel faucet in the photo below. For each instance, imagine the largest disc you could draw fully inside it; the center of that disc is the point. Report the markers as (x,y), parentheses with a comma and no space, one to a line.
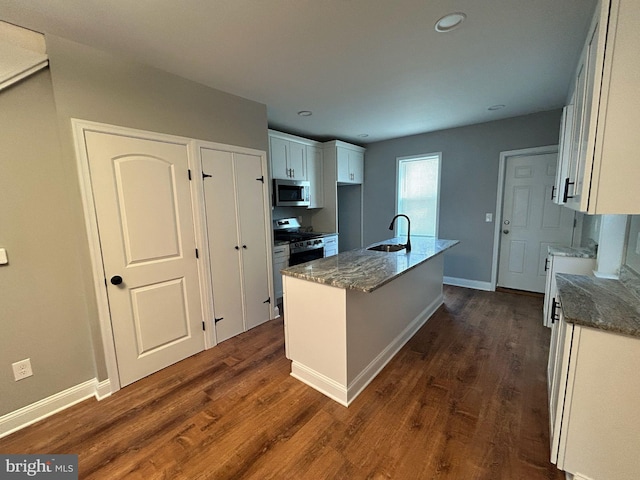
(408,244)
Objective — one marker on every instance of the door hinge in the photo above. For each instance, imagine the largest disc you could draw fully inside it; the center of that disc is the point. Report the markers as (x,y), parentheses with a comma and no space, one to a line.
(206,175)
(216,320)
(268,300)
(203,326)
(261,179)
(189,172)
(197,253)
(575,222)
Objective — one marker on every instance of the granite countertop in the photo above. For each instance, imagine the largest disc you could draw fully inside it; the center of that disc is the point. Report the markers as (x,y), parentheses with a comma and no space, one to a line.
(581,252)
(366,270)
(606,304)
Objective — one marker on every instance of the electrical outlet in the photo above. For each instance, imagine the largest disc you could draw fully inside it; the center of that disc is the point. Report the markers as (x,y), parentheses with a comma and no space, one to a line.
(488,217)
(22,369)
(638,244)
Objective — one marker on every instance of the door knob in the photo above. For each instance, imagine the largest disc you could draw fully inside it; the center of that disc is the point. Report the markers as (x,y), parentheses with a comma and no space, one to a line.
(116,280)
(505,231)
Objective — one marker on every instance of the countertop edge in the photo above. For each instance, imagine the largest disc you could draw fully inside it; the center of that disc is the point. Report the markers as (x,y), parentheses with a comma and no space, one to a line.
(363,252)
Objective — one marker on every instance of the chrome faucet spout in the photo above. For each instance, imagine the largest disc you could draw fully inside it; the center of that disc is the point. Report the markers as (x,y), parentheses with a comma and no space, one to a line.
(408,244)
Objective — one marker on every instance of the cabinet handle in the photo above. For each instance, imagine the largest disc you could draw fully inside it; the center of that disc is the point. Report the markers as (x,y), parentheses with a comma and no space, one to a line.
(566,195)
(554,308)
(546,264)
(244,246)
(237,247)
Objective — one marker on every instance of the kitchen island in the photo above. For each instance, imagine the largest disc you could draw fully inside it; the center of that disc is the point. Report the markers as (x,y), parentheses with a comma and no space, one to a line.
(346,316)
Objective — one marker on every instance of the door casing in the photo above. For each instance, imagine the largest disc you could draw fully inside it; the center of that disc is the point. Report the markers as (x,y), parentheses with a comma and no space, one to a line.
(500,196)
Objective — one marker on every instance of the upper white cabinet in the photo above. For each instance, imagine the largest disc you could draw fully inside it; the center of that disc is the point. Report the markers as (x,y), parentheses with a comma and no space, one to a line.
(288,158)
(297,158)
(602,170)
(564,154)
(314,175)
(350,163)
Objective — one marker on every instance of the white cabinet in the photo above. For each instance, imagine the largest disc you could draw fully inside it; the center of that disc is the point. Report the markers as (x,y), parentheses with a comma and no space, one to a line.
(297,158)
(330,245)
(350,164)
(288,158)
(337,155)
(314,175)
(564,155)
(562,264)
(238,230)
(280,261)
(593,390)
(603,171)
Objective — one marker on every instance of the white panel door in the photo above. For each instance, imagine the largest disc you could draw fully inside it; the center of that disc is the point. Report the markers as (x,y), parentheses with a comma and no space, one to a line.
(253,228)
(224,244)
(530,222)
(145,220)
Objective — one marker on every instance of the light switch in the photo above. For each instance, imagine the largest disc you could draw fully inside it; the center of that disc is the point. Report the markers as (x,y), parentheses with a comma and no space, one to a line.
(3,256)
(488,217)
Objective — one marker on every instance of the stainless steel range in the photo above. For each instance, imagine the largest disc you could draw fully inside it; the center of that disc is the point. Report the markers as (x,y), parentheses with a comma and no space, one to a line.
(303,246)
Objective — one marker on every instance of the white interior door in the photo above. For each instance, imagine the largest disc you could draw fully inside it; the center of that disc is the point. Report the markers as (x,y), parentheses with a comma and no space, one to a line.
(530,221)
(224,245)
(253,228)
(144,214)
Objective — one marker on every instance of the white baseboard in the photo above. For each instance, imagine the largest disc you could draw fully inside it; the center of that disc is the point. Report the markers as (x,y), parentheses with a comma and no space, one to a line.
(18,419)
(345,395)
(463,282)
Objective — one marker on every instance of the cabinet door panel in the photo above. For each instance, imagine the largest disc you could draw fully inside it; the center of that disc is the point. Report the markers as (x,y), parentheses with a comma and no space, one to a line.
(278,153)
(343,165)
(356,167)
(296,161)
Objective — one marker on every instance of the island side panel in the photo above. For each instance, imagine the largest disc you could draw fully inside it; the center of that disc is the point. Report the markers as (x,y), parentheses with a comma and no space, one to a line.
(381,322)
(315,323)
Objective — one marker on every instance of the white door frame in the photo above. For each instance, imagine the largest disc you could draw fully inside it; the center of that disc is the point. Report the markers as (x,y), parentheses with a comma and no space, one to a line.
(504,156)
(91,224)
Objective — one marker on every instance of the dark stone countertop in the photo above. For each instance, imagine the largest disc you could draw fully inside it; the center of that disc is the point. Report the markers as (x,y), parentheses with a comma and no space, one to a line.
(605,304)
(366,270)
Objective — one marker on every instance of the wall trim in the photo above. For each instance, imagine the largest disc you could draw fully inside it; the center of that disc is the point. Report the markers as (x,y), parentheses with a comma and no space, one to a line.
(25,416)
(463,282)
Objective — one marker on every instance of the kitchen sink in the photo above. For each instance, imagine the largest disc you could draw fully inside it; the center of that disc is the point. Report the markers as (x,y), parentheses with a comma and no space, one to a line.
(387,247)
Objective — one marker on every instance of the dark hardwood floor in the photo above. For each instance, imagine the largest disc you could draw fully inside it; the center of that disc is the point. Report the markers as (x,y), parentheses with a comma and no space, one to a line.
(464,399)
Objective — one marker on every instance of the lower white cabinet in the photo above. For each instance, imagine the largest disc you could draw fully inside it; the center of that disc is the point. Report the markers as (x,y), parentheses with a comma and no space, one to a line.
(594,389)
(562,264)
(280,261)
(238,230)
(330,245)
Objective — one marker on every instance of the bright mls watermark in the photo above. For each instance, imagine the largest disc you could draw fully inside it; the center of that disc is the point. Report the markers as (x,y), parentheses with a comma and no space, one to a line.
(51,467)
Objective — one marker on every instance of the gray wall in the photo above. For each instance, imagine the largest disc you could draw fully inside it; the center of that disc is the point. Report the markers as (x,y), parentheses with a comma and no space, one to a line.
(469,183)
(49,310)
(43,308)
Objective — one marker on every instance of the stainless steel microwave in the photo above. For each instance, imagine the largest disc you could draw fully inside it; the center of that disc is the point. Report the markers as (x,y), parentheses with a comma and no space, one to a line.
(290,193)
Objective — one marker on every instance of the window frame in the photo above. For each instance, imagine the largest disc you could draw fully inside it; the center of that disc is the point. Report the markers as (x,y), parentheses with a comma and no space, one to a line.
(399,160)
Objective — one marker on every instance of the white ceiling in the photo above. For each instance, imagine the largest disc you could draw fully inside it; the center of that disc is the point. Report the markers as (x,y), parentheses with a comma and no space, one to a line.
(374,67)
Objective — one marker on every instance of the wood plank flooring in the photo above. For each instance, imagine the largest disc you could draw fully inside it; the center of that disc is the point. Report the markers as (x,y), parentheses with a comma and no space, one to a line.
(464,399)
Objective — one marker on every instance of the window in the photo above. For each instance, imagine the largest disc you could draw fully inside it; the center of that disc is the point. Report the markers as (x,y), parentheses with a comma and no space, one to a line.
(417,193)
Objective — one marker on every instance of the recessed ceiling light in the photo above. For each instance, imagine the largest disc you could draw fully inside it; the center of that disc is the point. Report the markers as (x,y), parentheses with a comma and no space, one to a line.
(450,22)
(305,113)
(363,135)
(496,107)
